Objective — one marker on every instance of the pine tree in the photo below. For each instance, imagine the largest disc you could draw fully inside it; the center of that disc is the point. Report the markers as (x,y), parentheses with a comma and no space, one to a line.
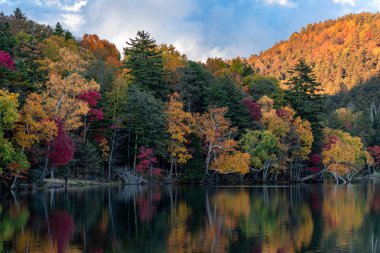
(17,13)
(7,40)
(58,30)
(68,35)
(304,95)
(146,64)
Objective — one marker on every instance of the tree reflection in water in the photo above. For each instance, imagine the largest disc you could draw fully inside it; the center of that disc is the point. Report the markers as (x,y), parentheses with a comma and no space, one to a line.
(193,219)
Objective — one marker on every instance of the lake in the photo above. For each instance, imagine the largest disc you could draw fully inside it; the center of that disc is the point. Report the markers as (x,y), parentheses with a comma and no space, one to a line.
(280,219)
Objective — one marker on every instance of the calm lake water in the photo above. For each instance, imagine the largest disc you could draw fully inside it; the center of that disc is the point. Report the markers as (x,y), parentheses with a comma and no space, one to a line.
(317,218)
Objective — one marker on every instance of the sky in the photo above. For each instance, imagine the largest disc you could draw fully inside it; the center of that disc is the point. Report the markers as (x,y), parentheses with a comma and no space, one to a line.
(197,28)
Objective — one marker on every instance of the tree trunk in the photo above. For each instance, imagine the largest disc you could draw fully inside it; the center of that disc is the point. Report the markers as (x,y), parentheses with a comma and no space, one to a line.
(13,186)
(111,154)
(208,158)
(135,155)
(171,166)
(46,163)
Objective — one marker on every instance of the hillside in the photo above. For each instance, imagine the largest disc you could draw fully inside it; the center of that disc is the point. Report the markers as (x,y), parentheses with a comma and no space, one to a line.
(344,52)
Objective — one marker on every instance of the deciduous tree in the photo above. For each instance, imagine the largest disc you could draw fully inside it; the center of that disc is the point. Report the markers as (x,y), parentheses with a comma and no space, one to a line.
(216,132)
(179,127)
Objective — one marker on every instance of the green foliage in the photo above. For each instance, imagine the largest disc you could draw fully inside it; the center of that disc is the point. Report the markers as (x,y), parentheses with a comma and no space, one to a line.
(224,92)
(145,64)
(9,115)
(18,14)
(87,160)
(145,118)
(259,86)
(262,146)
(58,30)
(305,98)
(192,86)
(7,39)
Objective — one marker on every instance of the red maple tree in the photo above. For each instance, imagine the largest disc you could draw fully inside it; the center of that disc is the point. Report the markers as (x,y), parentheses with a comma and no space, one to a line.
(62,147)
(6,60)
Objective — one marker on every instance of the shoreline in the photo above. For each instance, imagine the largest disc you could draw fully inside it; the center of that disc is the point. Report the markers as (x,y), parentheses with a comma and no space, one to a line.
(51,184)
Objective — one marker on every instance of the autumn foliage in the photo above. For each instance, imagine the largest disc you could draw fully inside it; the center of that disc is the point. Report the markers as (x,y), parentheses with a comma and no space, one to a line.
(178,127)
(332,48)
(102,49)
(6,60)
(343,154)
(147,161)
(62,147)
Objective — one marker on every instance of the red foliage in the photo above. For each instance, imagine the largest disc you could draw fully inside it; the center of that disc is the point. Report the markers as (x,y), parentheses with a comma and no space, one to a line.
(91,97)
(62,147)
(6,60)
(156,171)
(146,160)
(99,138)
(347,126)
(375,153)
(331,140)
(315,159)
(96,114)
(285,114)
(254,108)
(62,229)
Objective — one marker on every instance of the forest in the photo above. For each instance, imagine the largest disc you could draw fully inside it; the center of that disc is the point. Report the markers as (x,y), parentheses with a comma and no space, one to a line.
(76,108)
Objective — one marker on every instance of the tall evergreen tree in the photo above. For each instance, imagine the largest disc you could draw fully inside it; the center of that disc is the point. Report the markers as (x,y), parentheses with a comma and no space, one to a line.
(224,92)
(58,30)
(17,13)
(7,40)
(192,85)
(145,121)
(304,95)
(146,64)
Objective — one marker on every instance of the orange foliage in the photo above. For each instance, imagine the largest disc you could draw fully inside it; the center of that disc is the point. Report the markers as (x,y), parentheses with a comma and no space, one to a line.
(102,49)
(343,52)
(178,127)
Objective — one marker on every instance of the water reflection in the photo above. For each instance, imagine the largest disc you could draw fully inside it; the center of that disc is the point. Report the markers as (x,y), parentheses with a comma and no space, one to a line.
(193,219)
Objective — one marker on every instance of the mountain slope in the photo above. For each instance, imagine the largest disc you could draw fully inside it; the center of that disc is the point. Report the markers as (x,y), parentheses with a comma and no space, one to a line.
(344,52)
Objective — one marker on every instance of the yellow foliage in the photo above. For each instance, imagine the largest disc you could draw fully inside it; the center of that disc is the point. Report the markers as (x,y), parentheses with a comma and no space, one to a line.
(343,153)
(178,127)
(237,162)
(36,124)
(304,131)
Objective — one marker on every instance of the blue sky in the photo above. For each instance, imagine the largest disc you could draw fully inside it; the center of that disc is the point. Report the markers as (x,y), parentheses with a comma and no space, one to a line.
(198,28)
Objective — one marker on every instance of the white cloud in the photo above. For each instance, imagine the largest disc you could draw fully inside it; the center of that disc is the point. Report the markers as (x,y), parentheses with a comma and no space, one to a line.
(280,2)
(65,5)
(349,2)
(68,12)
(166,20)
(76,6)
(72,21)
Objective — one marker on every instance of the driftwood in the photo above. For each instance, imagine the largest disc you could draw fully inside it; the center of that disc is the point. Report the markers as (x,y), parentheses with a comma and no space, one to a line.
(130,177)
